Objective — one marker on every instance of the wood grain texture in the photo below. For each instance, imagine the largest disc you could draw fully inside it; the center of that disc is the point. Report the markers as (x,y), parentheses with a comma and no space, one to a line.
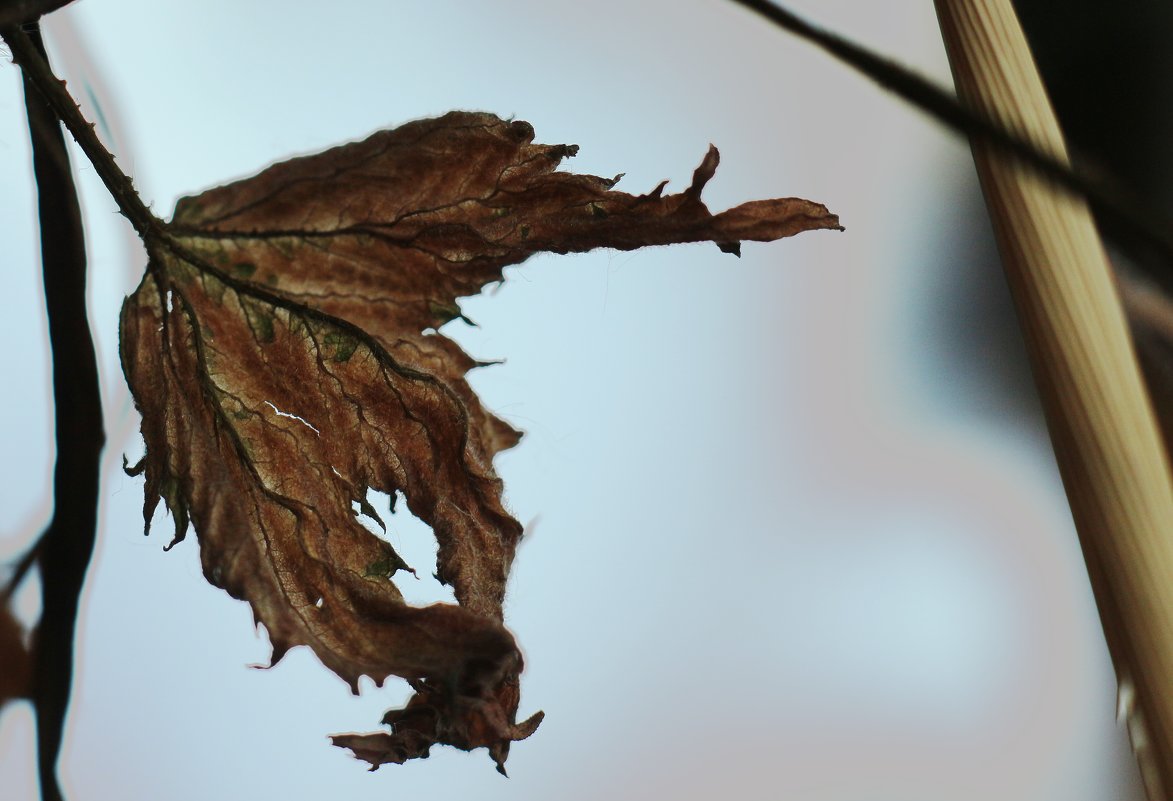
(1109,451)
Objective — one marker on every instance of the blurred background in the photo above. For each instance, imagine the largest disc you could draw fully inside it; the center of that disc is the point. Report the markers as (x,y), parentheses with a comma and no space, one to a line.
(795,528)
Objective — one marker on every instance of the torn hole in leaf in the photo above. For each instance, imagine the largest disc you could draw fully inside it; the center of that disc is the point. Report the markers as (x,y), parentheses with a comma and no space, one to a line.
(414,542)
(390,562)
(362,508)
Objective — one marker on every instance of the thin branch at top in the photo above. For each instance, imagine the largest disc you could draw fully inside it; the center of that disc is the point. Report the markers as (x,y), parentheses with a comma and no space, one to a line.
(1148,233)
(39,74)
(16,12)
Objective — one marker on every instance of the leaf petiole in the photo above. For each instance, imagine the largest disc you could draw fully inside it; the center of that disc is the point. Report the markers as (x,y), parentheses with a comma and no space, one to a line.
(149,227)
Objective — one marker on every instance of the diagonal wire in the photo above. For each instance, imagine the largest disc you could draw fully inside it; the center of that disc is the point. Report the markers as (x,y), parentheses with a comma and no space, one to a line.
(1142,233)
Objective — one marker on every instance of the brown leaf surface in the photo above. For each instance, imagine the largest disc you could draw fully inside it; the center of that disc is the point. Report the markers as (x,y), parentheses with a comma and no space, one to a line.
(277,353)
(15,659)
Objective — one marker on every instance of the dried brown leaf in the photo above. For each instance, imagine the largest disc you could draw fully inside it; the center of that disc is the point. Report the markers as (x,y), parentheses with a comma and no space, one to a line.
(15,659)
(276,350)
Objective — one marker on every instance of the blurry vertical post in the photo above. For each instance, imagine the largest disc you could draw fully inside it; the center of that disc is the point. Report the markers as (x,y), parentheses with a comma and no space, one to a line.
(1106,441)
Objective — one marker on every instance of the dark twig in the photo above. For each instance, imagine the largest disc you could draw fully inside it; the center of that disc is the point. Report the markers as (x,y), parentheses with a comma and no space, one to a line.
(19,571)
(1146,234)
(53,94)
(64,549)
(15,12)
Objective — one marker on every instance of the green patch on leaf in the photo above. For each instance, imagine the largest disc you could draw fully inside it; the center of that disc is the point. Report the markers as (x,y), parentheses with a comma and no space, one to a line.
(339,346)
(213,287)
(286,246)
(260,320)
(387,566)
(244,269)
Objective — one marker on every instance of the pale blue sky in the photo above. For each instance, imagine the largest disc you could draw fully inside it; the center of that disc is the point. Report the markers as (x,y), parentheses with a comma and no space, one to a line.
(791,538)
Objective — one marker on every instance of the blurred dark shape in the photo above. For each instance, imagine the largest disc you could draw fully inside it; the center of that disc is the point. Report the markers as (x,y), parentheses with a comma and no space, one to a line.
(1150,312)
(16,12)
(1109,70)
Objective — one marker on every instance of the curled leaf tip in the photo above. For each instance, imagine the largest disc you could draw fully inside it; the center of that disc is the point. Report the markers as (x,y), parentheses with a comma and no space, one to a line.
(704,172)
(135,469)
(527,727)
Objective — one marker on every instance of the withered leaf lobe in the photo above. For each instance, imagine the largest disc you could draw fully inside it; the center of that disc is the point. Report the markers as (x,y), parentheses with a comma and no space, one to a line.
(16,663)
(277,353)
